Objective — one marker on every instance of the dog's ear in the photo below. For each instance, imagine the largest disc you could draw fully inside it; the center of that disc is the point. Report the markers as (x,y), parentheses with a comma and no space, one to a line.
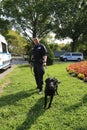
(57,81)
(46,80)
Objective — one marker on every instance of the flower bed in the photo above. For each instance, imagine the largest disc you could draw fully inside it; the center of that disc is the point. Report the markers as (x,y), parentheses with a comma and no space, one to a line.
(78,69)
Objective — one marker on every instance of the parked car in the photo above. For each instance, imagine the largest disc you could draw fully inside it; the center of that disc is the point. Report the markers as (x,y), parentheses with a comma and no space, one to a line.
(72,56)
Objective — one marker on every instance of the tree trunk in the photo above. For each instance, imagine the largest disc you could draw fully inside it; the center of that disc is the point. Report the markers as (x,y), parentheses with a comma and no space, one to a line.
(34,34)
(73,45)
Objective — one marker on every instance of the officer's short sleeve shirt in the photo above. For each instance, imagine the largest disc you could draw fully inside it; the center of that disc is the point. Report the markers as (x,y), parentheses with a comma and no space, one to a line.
(38,51)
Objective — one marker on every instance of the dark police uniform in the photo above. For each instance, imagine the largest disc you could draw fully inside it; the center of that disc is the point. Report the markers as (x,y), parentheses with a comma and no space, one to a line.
(38,51)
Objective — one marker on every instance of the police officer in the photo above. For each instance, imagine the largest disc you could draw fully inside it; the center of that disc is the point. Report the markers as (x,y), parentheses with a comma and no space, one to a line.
(39,59)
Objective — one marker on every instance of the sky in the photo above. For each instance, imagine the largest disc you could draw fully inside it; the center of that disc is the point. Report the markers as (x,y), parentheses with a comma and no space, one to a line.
(65,41)
(58,41)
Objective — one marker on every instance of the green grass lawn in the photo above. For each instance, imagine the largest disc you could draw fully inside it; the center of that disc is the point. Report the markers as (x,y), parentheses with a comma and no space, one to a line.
(21,108)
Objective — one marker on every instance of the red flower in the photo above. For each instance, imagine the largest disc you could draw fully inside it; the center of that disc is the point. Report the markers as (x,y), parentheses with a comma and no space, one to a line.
(79,67)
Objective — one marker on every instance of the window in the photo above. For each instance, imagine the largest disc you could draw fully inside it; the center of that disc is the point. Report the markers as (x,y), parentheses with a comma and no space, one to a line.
(0,47)
(4,49)
(77,54)
(67,54)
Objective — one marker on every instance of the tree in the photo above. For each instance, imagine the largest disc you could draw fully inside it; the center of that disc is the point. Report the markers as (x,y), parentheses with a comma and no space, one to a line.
(17,43)
(82,45)
(64,47)
(4,23)
(30,17)
(54,47)
(4,26)
(39,17)
(73,21)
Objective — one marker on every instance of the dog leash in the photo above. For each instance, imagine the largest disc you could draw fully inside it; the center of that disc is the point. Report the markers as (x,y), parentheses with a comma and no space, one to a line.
(48,75)
(31,69)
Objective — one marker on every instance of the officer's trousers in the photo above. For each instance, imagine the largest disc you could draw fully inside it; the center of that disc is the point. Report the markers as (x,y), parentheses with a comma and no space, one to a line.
(39,72)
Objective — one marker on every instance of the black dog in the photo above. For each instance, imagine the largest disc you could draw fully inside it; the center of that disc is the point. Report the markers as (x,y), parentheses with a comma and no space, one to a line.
(50,89)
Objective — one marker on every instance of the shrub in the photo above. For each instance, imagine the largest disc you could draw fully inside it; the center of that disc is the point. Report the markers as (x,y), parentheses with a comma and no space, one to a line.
(50,54)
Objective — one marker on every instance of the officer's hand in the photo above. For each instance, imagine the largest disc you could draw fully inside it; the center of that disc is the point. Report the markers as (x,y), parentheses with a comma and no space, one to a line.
(44,64)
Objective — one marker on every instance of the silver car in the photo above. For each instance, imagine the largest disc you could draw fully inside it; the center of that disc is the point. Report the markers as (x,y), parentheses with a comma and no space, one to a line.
(72,56)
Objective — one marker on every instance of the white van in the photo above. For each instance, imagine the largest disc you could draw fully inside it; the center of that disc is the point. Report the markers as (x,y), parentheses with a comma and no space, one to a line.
(72,56)
(5,56)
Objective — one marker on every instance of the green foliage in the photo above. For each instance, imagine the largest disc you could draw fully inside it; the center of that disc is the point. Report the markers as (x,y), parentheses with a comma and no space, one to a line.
(73,20)
(4,26)
(4,23)
(50,54)
(67,18)
(28,51)
(17,43)
(65,47)
(54,47)
(21,108)
(82,47)
(29,16)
